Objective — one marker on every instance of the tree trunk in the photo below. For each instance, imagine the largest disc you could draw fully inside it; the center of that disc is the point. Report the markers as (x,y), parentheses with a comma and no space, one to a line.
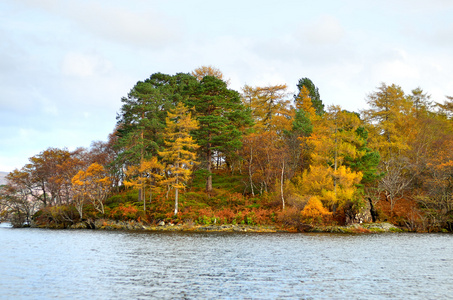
(250,171)
(209,168)
(144,199)
(281,185)
(176,200)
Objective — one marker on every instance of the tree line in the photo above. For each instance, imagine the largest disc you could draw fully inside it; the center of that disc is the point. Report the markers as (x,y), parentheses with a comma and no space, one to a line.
(318,164)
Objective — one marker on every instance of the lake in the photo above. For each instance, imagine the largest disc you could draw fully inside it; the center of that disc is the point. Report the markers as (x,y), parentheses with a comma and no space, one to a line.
(85,264)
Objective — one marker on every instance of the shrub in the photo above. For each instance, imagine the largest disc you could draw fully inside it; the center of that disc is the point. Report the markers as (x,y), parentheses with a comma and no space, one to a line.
(124,212)
(314,212)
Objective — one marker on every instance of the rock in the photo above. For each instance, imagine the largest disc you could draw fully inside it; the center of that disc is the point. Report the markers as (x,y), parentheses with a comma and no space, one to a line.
(161,223)
(363,216)
(384,227)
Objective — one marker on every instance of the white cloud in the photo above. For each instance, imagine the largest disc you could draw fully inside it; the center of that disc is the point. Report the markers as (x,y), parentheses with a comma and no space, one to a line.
(325,30)
(142,25)
(81,65)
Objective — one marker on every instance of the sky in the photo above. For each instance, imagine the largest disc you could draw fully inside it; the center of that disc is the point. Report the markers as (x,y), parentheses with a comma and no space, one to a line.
(66,64)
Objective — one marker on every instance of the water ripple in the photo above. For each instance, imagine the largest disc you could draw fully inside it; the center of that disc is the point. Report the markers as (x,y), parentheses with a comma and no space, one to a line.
(58,264)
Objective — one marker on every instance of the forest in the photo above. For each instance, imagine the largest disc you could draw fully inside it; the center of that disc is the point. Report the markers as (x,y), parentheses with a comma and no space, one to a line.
(187,149)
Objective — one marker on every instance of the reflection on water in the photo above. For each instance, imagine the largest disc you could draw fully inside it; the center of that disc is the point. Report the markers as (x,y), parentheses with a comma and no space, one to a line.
(64,264)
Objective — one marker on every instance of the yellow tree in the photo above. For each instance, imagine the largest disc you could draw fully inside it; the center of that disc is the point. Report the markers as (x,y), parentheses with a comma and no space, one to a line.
(180,153)
(392,124)
(269,106)
(147,175)
(92,184)
(203,71)
(303,102)
(334,138)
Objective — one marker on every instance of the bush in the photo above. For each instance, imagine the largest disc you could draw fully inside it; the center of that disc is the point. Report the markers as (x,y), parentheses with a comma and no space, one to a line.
(125,212)
(315,213)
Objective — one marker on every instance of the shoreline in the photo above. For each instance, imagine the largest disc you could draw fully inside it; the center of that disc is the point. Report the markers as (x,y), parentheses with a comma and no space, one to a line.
(112,225)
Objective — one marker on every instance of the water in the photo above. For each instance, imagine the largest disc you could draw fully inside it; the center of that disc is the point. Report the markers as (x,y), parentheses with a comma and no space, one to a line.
(83,264)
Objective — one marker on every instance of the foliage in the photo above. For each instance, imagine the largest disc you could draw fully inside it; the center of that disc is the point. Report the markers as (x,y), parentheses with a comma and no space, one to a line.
(179,154)
(124,212)
(313,93)
(250,158)
(314,212)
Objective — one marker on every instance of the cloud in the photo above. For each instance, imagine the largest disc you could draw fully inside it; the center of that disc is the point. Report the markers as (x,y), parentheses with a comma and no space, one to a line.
(82,65)
(143,27)
(325,30)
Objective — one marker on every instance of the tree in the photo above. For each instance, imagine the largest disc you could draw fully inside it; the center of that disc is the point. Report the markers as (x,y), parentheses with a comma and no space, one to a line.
(221,117)
(180,152)
(92,184)
(147,175)
(17,197)
(313,93)
(391,124)
(141,121)
(302,128)
(420,101)
(203,71)
(333,140)
(43,171)
(269,107)
(446,109)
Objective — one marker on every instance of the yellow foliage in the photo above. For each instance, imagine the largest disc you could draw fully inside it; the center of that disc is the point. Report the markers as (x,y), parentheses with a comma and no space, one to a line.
(304,103)
(203,71)
(314,211)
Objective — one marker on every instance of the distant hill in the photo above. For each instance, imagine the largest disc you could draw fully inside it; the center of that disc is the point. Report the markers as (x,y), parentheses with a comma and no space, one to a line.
(2,177)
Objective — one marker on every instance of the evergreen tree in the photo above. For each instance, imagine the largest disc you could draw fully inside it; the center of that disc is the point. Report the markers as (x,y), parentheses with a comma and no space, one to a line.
(221,117)
(313,93)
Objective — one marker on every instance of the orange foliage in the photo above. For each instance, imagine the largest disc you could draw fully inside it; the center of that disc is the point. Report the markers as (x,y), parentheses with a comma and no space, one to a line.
(124,212)
(314,212)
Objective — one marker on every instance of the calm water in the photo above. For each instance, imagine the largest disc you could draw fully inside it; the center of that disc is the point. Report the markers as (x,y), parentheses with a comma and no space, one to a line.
(64,264)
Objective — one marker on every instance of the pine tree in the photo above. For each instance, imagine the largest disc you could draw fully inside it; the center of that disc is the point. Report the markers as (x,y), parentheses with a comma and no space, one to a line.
(221,117)
(313,93)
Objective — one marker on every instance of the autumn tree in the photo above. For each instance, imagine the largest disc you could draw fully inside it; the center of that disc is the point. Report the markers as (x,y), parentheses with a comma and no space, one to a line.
(141,121)
(269,106)
(262,155)
(421,102)
(328,177)
(146,176)
(93,185)
(391,124)
(18,196)
(180,151)
(446,108)
(43,170)
(203,71)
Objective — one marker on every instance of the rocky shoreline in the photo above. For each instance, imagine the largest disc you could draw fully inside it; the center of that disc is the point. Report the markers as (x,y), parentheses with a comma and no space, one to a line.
(138,226)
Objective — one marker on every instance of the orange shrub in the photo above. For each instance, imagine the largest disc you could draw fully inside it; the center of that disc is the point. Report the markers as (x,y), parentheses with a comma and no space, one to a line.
(314,212)
(124,212)
(225,215)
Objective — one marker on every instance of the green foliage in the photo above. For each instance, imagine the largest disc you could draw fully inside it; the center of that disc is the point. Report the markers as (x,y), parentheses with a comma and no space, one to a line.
(302,124)
(314,94)
(220,115)
(368,160)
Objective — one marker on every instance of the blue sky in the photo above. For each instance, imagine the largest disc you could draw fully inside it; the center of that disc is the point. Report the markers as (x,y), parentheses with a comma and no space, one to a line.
(65,64)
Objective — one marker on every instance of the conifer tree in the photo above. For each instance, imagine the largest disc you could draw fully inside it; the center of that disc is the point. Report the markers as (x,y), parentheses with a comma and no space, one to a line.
(180,149)
(313,93)
(221,117)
